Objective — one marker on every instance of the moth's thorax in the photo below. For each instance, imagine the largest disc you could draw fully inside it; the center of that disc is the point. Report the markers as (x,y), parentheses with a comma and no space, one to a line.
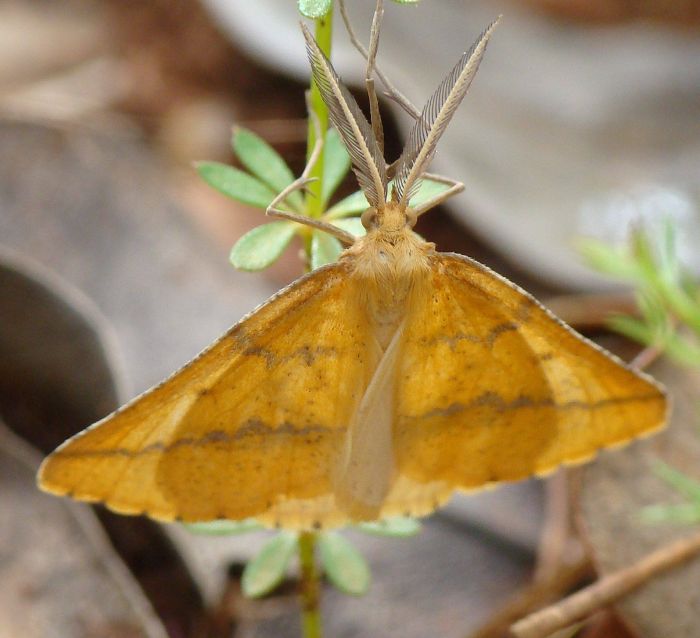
(391,265)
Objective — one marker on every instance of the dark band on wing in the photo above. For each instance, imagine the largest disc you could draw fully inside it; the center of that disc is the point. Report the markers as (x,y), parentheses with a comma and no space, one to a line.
(254,427)
(501,405)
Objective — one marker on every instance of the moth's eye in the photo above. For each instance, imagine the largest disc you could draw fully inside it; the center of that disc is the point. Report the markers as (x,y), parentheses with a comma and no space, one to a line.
(369,218)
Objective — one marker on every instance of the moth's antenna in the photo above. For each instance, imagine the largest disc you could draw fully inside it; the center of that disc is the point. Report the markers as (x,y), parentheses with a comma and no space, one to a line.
(376,117)
(435,117)
(392,91)
(359,139)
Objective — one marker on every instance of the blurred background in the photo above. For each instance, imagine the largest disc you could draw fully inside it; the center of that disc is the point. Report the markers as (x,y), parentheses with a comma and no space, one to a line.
(583,120)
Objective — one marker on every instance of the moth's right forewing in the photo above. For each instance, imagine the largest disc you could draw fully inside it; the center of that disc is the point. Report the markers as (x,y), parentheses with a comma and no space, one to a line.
(497,389)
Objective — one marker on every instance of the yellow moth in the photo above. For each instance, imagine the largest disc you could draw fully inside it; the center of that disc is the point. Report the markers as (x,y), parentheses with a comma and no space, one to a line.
(372,387)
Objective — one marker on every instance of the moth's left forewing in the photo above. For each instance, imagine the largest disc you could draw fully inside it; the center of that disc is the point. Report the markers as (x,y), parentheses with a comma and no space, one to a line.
(495,388)
(251,428)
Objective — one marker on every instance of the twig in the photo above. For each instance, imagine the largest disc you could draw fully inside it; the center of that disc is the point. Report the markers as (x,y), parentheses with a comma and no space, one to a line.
(646,357)
(557,538)
(533,596)
(310,587)
(606,591)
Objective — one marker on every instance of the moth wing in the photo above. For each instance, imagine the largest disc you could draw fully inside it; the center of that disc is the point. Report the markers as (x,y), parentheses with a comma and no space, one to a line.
(495,388)
(250,428)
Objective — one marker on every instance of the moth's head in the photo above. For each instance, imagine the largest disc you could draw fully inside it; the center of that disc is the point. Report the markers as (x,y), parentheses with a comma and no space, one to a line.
(364,141)
(393,217)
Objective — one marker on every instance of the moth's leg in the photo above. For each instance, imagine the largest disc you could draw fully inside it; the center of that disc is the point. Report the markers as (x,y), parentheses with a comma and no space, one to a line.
(302,182)
(375,116)
(338,233)
(454,188)
(391,91)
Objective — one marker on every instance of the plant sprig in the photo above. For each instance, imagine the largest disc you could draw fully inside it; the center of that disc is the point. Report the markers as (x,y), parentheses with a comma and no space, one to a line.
(668,298)
(268,174)
(344,566)
(668,303)
(687,513)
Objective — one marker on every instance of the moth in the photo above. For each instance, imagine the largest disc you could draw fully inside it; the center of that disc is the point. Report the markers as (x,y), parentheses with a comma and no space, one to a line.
(372,387)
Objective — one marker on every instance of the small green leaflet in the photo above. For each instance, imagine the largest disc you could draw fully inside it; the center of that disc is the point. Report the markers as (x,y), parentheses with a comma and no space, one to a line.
(351,205)
(224,528)
(608,259)
(267,570)
(318,8)
(400,527)
(324,249)
(684,513)
(344,565)
(262,246)
(236,184)
(687,486)
(315,8)
(265,163)
(352,224)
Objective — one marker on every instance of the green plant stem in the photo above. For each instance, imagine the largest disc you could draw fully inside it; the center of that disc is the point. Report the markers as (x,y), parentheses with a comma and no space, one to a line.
(310,587)
(314,205)
(310,581)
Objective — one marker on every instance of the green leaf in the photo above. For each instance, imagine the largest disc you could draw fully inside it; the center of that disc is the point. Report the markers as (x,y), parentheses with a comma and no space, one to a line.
(632,328)
(336,164)
(608,259)
(683,514)
(681,482)
(262,246)
(351,205)
(314,8)
(265,162)
(353,225)
(643,252)
(682,350)
(427,190)
(235,184)
(670,268)
(267,570)
(652,308)
(681,303)
(401,526)
(357,202)
(224,528)
(344,565)
(324,249)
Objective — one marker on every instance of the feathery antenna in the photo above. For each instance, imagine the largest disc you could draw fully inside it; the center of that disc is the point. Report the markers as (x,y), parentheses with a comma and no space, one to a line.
(345,114)
(435,117)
